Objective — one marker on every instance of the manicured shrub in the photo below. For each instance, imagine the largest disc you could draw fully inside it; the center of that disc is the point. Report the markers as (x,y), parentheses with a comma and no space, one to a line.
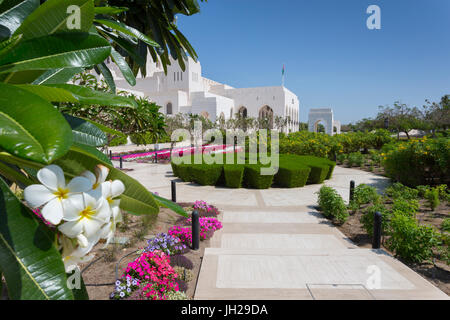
(332,204)
(206,174)
(233,174)
(292,176)
(411,241)
(432,196)
(341,158)
(254,179)
(184,172)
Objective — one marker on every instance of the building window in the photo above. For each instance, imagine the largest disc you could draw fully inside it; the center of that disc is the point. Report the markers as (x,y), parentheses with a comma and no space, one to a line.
(181,76)
(292,101)
(169,108)
(174,77)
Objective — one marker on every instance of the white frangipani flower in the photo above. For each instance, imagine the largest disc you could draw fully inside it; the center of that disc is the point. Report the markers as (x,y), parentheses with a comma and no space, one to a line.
(109,229)
(97,179)
(84,215)
(53,192)
(72,256)
(111,190)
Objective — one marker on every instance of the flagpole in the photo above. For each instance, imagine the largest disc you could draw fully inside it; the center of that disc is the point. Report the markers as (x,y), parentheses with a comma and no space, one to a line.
(282,76)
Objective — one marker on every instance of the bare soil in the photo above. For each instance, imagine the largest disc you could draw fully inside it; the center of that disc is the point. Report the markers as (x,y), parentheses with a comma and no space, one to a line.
(100,275)
(437,272)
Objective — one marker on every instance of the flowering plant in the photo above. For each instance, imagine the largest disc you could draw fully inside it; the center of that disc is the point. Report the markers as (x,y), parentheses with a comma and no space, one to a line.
(207,228)
(125,287)
(84,211)
(204,209)
(166,243)
(155,274)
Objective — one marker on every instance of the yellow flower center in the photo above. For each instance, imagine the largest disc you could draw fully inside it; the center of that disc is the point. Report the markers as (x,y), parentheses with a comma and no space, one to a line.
(87,213)
(110,200)
(95,185)
(61,193)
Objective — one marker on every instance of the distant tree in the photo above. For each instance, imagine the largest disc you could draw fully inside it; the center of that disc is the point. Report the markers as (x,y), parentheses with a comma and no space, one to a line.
(303,126)
(402,118)
(437,115)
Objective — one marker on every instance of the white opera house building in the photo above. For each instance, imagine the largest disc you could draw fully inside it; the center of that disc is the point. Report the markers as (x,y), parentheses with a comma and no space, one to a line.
(189,92)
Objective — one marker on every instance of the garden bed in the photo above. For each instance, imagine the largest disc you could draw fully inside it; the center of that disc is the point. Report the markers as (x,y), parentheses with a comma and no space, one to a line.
(100,277)
(415,225)
(437,273)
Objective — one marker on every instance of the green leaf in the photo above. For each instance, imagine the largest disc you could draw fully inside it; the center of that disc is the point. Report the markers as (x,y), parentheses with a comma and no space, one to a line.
(13,18)
(73,93)
(94,152)
(80,294)
(56,51)
(14,175)
(30,127)
(110,10)
(32,266)
(123,66)
(121,27)
(163,202)
(107,75)
(106,129)
(9,44)
(52,17)
(61,75)
(136,199)
(85,132)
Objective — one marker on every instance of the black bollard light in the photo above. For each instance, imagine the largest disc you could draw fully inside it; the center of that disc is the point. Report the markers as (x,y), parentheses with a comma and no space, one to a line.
(110,155)
(174,191)
(120,161)
(376,241)
(334,157)
(352,190)
(235,143)
(156,157)
(195,230)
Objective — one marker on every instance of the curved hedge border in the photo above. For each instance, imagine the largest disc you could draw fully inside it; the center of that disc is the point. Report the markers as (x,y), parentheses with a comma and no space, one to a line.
(294,171)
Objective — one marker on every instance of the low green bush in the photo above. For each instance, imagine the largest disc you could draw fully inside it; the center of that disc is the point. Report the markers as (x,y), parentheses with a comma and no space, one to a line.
(445,226)
(432,196)
(408,207)
(117,141)
(332,205)
(341,157)
(368,217)
(398,190)
(355,159)
(364,194)
(234,175)
(184,172)
(411,241)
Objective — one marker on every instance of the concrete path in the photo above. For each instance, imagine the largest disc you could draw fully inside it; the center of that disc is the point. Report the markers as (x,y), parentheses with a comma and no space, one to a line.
(275,245)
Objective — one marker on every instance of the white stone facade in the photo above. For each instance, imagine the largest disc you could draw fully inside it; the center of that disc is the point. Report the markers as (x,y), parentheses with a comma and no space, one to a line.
(189,92)
(324,115)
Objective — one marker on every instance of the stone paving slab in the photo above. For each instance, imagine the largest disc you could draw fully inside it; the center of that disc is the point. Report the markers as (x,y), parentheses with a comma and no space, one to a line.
(307,274)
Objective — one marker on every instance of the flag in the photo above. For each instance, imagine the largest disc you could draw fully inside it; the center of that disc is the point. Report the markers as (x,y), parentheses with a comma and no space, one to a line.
(282,71)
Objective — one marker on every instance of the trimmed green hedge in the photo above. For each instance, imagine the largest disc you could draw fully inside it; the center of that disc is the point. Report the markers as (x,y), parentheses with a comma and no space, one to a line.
(294,171)
(233,175)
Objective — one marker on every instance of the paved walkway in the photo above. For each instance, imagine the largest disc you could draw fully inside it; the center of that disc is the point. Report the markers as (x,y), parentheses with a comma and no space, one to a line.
(275,245)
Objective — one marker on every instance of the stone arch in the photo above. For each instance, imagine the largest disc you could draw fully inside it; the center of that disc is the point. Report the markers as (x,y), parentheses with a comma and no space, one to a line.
(169,109)
(243,112)
(266,112)
(326,116)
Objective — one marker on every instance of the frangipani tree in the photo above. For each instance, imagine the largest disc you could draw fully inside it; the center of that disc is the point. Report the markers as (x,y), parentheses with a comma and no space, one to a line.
(41,48)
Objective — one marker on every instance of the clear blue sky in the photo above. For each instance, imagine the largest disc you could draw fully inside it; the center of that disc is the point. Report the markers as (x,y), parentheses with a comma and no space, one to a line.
(331,58)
